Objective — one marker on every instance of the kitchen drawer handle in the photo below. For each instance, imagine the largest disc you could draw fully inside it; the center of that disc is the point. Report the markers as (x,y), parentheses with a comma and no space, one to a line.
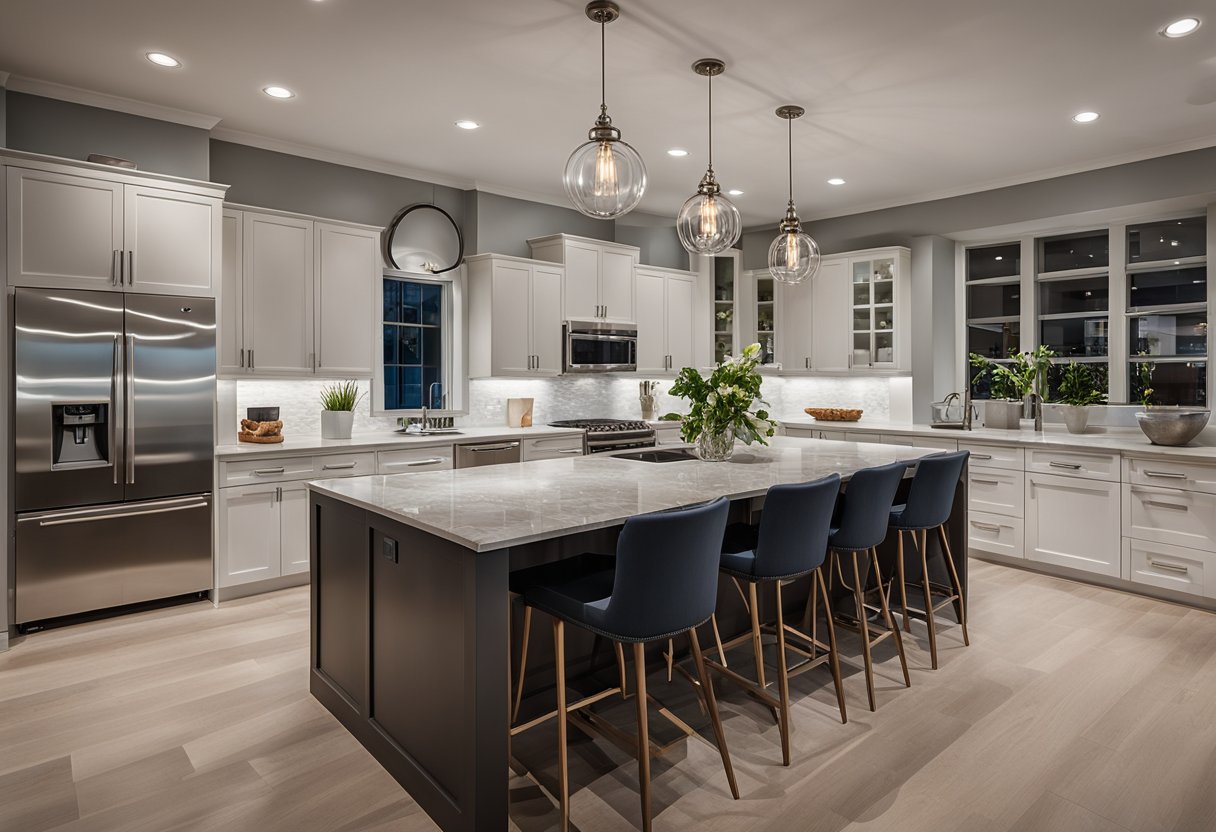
(344,467)
(570,450)
(265,472)
(1071,466)
(432,461)
(988,527)
(487,448)
(1161,504)
(1156,564)
(1166,475)
(981,456)
(979,481)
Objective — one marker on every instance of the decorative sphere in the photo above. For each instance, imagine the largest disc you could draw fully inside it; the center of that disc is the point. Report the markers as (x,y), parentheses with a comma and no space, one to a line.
(605,178)
(708,224)
(793,257)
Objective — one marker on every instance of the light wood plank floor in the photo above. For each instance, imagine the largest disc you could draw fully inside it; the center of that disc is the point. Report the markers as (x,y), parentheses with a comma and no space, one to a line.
(1076,709)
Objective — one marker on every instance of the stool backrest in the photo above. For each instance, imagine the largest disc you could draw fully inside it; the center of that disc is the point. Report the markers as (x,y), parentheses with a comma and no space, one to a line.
(667,571)
(867,507)
(794,527)
(932,493)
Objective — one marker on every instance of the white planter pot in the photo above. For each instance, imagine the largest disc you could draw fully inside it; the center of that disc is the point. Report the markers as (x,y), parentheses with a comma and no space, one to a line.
(1003,414)
(337,424)
(1076,417)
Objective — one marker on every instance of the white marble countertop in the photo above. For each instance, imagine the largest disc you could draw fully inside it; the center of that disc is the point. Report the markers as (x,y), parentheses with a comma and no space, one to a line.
(314,444)
(1123,440)
(506,505)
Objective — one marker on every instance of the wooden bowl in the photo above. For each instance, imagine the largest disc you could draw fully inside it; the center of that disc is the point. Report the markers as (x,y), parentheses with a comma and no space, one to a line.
(834,414)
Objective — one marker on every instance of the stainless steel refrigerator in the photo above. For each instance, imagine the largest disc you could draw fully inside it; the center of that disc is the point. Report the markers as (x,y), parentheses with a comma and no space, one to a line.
(113,443)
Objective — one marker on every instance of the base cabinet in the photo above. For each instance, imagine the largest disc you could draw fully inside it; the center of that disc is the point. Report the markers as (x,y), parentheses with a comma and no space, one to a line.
(249,534)
(1073,522)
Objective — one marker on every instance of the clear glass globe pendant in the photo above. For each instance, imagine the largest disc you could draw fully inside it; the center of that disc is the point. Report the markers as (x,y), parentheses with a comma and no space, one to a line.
(793,256)
(709,223)
(604,178)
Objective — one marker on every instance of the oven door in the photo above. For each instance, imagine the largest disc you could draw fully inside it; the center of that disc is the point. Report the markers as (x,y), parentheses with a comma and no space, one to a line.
(600,352)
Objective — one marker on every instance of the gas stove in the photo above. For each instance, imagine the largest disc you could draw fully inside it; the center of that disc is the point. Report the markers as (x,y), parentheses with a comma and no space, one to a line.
(603,435)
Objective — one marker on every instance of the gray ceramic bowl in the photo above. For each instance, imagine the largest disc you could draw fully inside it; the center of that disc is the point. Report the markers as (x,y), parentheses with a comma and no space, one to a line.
(1172,426)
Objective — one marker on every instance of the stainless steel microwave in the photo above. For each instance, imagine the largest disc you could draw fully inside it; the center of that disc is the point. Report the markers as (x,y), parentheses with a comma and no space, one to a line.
(599,347)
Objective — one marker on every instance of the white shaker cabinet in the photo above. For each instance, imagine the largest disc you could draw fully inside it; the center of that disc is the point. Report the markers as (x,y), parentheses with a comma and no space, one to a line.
(345,298)
(666,306)
(249,534)
(598,278)
(293,528)
(1055,533)
(230,340)
(796,326)
(515,317)
(173,241)
(830,316)
(278,283)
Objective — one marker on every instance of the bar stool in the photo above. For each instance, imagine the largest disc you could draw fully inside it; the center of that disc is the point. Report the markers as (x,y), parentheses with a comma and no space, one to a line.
(790,542)
(929,502)
(662,583)
(863,525)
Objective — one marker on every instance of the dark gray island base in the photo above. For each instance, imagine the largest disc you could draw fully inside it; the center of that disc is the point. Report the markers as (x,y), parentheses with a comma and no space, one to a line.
(411,619)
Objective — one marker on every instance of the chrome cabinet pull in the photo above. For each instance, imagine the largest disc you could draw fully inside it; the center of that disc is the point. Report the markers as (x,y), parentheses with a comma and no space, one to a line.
(345,467)
(1071,466)
(978,481)
(435,460)
(1165,475)
(131,269)
(1156,564)
(487,448)
(570,451)
(115,268)
(278,494)
(988,527)
(981,456)
(251,365)
(265,472)
(1162,504)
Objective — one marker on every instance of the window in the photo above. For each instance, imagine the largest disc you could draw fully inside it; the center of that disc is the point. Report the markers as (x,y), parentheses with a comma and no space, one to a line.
(1074,301)
(417,344)
(994,303)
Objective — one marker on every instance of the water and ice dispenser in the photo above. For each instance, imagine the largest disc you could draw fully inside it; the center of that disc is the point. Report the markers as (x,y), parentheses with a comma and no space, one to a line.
(81,434)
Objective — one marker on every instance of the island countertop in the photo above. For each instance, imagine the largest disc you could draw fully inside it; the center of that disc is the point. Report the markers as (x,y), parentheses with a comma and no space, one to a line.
(494,507)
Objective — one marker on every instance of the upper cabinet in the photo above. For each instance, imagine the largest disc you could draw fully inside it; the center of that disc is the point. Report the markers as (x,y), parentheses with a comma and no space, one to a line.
(599,280)
(666,311)
(880,311)
(298,296)
(515,316)
(120,232)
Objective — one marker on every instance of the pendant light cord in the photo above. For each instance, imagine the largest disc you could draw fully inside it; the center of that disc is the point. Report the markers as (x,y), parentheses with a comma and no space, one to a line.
(711,121)
(603,67)
(790,124)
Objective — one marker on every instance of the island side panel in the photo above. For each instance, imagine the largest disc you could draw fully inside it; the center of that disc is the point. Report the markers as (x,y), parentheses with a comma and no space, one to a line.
(432,614)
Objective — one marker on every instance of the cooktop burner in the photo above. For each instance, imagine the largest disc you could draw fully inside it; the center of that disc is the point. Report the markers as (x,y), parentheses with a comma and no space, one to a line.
(603,425)
(611,434)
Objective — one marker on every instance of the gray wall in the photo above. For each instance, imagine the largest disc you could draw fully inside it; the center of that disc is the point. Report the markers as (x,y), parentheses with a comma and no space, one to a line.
(269,179)
(1165,177)
(3,115)
(933,324)
(73,131)
(657,238)
(504,224)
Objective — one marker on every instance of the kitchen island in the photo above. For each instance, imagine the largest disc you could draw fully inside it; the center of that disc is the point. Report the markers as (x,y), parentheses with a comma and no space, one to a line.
(410,608)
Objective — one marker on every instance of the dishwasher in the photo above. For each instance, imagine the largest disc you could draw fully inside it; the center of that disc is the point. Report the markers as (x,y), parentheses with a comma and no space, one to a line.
(487,453)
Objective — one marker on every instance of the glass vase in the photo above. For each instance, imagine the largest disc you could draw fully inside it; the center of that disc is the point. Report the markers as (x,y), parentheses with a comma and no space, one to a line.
(716,445)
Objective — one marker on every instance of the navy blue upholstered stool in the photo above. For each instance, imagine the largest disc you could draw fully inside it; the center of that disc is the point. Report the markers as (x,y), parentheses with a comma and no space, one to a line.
(862,526)
(929,502)
(790,543)
(662,583)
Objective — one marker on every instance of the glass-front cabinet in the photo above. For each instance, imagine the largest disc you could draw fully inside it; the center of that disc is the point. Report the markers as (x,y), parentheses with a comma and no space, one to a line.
(874,312)
(725,324)
(764,332)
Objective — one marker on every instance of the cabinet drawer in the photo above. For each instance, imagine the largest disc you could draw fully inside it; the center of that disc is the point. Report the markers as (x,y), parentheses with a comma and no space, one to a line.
(1165,566)
(857,436)
(996,534)
(1074,464)
(344,465)
(892,439)
(1190,476)
(414,459)
(552,447)
(933,442)
(266,469)
(1166,515)
(996,491)
(994,456)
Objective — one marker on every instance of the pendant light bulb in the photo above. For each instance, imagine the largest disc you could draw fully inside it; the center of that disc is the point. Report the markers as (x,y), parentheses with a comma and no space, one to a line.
(794,255)
(605,177)
(709,223)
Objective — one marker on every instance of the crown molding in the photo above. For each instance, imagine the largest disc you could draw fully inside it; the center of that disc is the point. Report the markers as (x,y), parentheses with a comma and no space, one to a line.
(337,157)
(75,95)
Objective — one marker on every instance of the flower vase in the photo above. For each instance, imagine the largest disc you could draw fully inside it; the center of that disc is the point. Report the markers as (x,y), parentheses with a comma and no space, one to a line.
(716,446)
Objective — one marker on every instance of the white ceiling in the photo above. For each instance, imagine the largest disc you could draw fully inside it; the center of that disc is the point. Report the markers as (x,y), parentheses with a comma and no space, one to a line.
(905,100)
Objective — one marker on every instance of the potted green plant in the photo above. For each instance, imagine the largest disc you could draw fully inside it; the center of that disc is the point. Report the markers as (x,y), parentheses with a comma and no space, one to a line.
(1078,390)
(1011,383)
(338,402)
(721,408)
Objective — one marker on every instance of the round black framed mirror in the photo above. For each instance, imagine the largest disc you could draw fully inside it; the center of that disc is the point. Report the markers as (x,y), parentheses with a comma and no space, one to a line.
(423,238)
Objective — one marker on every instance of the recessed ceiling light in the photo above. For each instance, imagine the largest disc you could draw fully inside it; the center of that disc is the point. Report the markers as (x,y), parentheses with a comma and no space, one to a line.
(735,192)
(835,180)
(677,152)
(278,92)
(161,59)
(467,124)
(1085,117)
(1181,28)
(1000,257)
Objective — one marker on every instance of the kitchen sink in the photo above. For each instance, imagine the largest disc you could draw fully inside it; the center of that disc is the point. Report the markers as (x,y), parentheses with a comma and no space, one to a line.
(677,455)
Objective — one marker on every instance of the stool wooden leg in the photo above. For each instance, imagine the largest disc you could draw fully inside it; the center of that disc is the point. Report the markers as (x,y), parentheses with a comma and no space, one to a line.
(834,657)
(523,664)
(639,663)
(928,592)
(903,583)
(958,585)
(620,667)
(783,681)
(886,614)
(711,705)
(671,653)
(810,621)
(563,774)
(860,600)
(713,621)
(757,645)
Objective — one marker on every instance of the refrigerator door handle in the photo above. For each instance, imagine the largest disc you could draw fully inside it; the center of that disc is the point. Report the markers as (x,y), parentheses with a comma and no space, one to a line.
(63,521)
(129,414)
(115,460)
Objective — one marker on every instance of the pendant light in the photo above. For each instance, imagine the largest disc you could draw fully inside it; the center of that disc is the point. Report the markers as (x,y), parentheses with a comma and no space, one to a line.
(709,222)
(605,178)
(794,256)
